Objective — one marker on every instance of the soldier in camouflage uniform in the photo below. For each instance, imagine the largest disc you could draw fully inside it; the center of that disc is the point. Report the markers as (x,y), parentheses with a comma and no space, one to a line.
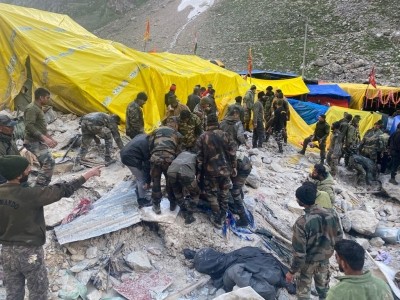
(202,110)
(98,125)
(248,103)
(193,99)
(365,168)
(164,147)
(278,124)
(335,148)
(269,97)
(285,103)
(37,139)
(182,177)
(372,142)
(189,125)
(352,139)
(258,121)
(237,105)
(232,125)
(23,228)
(7,143)
(216,161)
(174,108)
(134,116)
(314,237)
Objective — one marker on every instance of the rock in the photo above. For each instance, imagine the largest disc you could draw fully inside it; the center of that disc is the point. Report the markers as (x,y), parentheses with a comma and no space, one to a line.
(363,242)
(346,223)
(392,218)
(336,68)
(138,261)
(84,277)
(266,160)
(94,295)
(154,251)
(320,62)
(376,242)
(246,293)
(253,179)
(254,151)
(64,167)
(91,252)
(276,167)
(294,207)
(55,212)
(373,253)
(80,266)
(256,160)
(363,222)
(77,257)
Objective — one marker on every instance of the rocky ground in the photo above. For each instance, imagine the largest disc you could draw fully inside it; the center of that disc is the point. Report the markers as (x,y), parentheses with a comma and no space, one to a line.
(151,247)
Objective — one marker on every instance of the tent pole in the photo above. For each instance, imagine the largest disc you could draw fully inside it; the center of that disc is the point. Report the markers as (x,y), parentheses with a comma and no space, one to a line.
(303,69)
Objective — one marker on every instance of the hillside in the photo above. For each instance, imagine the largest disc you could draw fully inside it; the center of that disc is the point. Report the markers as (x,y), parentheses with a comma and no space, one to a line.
(345,38)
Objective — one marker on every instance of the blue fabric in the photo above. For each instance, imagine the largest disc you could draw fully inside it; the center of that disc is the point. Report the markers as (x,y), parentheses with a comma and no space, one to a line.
(396,120)
(308,111)
(328,90)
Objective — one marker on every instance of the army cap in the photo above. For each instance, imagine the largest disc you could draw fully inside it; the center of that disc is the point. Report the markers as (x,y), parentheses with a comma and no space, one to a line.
(7,121)
(11,166)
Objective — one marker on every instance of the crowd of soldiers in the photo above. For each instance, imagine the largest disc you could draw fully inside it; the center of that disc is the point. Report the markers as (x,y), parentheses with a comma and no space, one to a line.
(202,167)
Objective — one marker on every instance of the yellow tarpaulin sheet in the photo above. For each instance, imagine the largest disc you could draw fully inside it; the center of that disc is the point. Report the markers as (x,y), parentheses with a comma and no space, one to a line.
(297,128)
(357,92)
(290,87)
(86,74)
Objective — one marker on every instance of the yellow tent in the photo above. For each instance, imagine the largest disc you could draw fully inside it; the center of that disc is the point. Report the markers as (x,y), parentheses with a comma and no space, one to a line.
(358,91)
(86,74)
(290,87)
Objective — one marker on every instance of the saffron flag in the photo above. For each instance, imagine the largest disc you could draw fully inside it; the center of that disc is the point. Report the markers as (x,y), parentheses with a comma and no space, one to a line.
(146,36)
(371,77)
(249,63)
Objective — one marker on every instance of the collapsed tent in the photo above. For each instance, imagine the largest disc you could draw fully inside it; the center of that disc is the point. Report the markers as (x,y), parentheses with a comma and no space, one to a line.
(248,266)
(328,94)
(85,73)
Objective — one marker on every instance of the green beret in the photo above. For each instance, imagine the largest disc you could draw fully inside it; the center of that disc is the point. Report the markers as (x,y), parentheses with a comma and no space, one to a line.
(11,166)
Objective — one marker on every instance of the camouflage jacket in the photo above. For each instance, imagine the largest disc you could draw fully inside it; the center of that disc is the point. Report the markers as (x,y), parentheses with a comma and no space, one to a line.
(322,130)
(184,164)
(202,114)
(352,139)
(239,108)
(190,131)
(248,100)
(216,154)
(7,145)
(235,129)
(165,139)
(314,236)
(99,119)
(258,112)
(335,146)
(372,141)
(35,123)
(192,101)
(285,106)
(175,112)
(134,120)
(344,127)
(268,105)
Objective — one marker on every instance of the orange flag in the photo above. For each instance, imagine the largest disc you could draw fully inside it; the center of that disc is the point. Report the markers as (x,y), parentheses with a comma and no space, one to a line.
(371,77)
(147,31)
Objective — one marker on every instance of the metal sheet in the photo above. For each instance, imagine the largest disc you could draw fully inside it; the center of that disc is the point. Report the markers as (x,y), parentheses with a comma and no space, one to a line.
(116,210)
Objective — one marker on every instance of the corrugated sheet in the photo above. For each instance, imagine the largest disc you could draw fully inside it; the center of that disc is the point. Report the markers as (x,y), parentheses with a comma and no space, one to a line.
(116,210)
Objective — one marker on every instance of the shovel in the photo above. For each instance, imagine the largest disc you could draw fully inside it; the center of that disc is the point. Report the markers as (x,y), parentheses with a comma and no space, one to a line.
(64,159)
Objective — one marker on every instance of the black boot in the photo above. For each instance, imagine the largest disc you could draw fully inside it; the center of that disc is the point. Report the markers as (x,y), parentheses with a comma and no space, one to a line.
(243,221)
(189,219)
(216,220)
(172,205)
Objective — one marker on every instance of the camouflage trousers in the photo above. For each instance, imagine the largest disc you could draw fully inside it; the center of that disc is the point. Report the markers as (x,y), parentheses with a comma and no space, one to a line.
(370,153)
(320,272)
(179,185)
(333,162)
(20,263)
(247,118)
(217,189)
(237,185)
(322,146)
(46,161)
(159,166)
(258,135)
(279,137)
(92,132)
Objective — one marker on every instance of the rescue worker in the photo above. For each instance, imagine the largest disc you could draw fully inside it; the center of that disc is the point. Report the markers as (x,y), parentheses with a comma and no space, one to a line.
(248,103)
(207,91)
(278,124)
(164,147)
(321,133)
(7,143)
(216,161)
(352,139)
(202,110)
(323,180)
(182,177)
(279,96)
(335,148)
(213,104)
(258,121)
(372,143)
(193,99)
(170,93)
(23,228)
(394,151)
(134,116)
(365,167)
(189,125)
(344,124)
(233,126)
(238,105)
(94,126)
(269,97)
(174,108)
(37,139)
(314,236)
(136,156)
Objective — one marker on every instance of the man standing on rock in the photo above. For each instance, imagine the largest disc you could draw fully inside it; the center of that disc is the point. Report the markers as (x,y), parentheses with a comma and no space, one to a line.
(394,147)
(134,116)
(335,148)
(164,147)
(321,133)
(23,228)
(258,121)
(278,124)
(285,103)
(216,160)
(248,103)
(7,143)
(314,237)
(37,139)
(352,139)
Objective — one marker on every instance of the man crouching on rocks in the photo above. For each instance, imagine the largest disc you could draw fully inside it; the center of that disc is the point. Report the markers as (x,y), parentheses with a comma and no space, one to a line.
(23,228)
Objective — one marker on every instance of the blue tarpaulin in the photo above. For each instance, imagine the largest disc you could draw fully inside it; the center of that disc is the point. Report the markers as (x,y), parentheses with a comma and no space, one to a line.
(328,90)
(396,121)
(308,111)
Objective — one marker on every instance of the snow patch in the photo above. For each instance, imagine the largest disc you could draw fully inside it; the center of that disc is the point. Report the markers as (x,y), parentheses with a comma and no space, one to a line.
(198,6)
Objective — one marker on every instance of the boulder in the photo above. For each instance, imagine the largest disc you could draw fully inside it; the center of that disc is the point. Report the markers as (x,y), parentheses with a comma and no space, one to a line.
(276,167)
(138,261)
(91,252)
(253,179)
(246,293)
(363,242)
(376,242)
(363,222)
